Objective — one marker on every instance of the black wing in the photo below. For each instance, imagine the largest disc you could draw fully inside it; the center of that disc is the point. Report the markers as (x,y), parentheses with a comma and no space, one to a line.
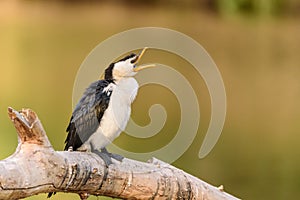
(88,113)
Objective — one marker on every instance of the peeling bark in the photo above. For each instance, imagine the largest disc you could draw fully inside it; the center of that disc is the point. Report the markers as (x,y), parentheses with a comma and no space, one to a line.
(36,168)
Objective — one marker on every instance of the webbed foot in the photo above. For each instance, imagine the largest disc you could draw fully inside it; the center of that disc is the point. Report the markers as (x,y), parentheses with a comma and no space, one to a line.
(104,156)
(107,157)
(112,155)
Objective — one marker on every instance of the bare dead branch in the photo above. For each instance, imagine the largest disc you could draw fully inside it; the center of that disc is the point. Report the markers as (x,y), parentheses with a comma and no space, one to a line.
(36,168)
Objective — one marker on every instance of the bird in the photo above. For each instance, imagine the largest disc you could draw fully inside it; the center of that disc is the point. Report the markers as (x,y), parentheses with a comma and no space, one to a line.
(104,109)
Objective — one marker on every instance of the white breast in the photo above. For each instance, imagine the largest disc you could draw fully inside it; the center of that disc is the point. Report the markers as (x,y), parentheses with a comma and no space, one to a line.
(117,114)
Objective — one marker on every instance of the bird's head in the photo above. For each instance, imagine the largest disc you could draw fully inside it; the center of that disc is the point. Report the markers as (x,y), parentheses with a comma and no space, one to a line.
(126,67)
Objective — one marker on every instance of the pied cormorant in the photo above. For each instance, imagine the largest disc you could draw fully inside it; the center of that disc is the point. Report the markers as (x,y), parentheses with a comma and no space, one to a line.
(104,109)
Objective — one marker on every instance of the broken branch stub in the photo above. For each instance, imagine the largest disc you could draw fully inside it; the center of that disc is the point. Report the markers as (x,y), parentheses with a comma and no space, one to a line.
(29,127)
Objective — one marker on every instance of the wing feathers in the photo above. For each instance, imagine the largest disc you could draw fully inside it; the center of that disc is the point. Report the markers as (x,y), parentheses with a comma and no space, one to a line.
(88,113)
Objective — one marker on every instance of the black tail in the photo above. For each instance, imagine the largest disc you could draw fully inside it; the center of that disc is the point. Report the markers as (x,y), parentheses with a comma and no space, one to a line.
(73,140)
(50,194)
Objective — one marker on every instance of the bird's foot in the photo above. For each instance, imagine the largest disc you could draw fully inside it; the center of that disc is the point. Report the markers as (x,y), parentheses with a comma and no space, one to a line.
(105,157)
(112,155)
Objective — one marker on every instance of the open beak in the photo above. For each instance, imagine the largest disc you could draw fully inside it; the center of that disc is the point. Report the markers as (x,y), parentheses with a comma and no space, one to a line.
(143,67)
(138,68)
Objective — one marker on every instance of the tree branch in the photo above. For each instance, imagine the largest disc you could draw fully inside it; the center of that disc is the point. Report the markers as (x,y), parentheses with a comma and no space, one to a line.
(36,168)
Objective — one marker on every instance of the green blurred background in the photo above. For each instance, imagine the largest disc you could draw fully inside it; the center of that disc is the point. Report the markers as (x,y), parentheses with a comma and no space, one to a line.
(255,44)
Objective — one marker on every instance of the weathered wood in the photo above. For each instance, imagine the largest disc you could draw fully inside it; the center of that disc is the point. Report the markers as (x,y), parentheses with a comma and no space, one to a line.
(36,168)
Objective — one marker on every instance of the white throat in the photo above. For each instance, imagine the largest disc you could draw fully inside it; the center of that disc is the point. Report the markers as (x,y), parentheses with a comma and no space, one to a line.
(125,89)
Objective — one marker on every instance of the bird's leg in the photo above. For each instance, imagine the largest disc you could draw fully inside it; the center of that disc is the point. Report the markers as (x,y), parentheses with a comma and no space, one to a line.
(112,155)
